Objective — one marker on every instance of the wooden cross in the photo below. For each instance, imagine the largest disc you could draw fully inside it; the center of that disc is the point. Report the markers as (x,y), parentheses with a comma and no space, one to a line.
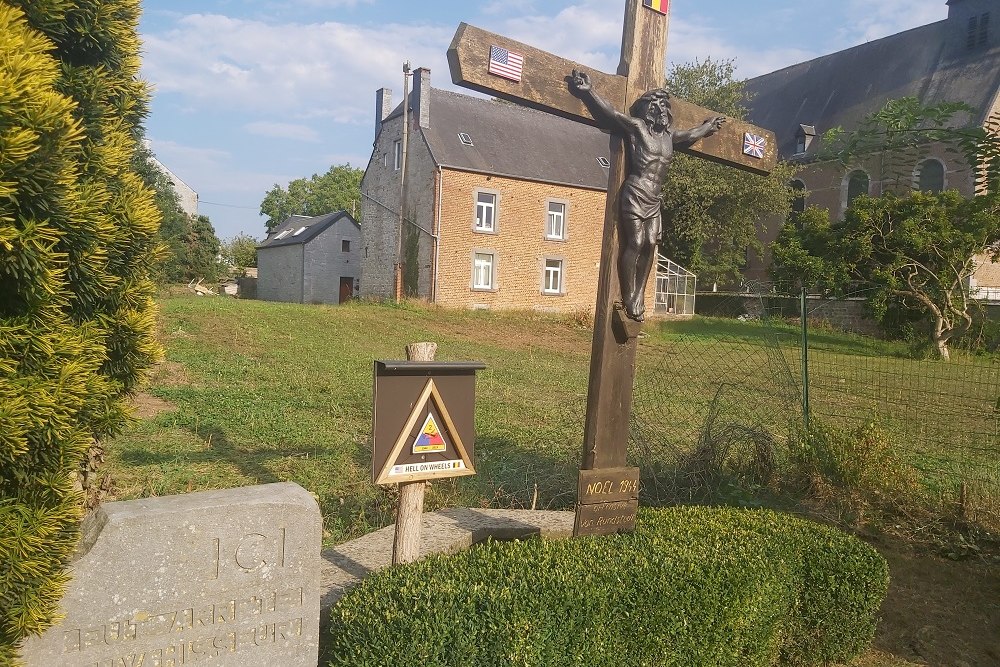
(608,491)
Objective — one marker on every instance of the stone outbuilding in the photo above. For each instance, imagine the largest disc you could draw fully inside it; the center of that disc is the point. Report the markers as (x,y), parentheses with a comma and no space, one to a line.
(311,260)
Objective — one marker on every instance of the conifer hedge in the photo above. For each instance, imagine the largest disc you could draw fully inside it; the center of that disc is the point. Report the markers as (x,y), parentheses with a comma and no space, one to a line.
(77,240)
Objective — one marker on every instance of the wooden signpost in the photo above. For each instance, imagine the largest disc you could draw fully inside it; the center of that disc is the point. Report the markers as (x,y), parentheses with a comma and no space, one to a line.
(525,75)
(423,428)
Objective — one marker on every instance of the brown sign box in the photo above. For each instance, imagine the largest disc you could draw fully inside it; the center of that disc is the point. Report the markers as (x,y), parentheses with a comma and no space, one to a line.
(423,420)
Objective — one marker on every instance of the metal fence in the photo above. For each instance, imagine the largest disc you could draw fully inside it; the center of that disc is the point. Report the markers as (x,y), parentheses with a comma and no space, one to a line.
(726,397)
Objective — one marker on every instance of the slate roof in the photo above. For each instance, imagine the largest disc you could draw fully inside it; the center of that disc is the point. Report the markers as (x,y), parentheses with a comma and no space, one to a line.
(314,226)
(841,88)
(511,140)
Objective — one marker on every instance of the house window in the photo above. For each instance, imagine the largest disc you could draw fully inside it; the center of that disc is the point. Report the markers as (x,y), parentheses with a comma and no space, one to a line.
(857,184)
(555,223)
(483,270)
(970,40)
(282,234)
(299,231)
(345,246)
(486,212)
(799,200)
(800,144)
(984,28)
(397,150)
(552,276)
(465,138)
(930,176)
(604,162)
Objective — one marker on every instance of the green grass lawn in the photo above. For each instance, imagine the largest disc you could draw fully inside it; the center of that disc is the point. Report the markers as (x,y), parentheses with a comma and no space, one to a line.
(264,392)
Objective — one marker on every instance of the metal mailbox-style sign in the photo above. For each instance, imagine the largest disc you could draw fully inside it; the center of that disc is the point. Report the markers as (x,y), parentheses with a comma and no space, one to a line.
(423,420)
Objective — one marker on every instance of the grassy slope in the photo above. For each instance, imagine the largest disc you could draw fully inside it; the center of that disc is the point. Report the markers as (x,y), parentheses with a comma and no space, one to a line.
(266,392)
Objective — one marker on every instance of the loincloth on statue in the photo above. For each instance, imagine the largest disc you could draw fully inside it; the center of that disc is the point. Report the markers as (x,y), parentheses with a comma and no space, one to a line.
(637,202)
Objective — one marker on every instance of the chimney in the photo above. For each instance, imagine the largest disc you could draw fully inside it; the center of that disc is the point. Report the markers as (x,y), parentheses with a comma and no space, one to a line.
(421,96)
(383,106)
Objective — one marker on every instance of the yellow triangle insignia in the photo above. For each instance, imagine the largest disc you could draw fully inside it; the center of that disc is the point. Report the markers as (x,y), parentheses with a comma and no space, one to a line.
(430,393)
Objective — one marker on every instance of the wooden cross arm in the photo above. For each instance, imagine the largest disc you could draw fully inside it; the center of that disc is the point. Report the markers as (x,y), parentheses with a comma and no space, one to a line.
(544,85)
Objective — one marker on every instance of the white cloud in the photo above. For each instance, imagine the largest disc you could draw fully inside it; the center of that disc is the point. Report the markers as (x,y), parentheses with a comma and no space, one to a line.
(293,131)
(213,170)
(887,17)
(302,70)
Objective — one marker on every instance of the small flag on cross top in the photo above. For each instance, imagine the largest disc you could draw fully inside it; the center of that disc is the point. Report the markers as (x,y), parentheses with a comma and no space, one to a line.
(754,145)
(662,6)
(505,63)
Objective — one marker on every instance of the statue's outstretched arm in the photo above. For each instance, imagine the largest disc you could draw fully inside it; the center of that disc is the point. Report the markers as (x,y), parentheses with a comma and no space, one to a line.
(605,114)
(706,129)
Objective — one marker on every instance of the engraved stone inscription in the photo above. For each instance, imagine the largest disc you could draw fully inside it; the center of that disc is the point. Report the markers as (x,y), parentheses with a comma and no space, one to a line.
(227,578)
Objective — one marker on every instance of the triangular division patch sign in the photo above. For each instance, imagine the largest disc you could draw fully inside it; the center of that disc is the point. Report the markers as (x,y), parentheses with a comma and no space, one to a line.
(430,439)
(440,438)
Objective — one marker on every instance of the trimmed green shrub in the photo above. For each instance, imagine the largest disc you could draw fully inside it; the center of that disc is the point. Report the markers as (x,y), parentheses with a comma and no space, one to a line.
(692,586)
(77,238)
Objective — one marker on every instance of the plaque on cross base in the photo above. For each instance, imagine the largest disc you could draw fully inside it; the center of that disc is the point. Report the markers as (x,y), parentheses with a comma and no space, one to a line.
(608,499)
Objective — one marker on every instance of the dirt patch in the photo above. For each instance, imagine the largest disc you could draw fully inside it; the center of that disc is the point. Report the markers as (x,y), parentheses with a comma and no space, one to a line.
(170,374)
(148,406)
(940,612)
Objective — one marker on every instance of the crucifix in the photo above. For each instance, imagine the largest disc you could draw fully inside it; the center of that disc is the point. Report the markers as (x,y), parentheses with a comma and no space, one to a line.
(642,119)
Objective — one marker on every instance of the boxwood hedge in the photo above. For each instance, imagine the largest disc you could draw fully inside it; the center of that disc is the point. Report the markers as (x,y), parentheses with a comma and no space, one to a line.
(692,586)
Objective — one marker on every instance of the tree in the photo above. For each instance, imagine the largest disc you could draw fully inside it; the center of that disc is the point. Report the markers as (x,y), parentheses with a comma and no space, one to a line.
(190,247)
(77,239)
(711,213)
(918,250)
(240,252)
(898,135)
(338,189)
(912,251)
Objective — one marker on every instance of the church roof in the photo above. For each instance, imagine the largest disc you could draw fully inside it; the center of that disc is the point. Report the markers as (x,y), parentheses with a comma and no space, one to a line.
(931,63)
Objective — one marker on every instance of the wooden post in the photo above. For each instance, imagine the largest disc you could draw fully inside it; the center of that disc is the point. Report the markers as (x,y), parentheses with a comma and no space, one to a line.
(612,360)
(409,514)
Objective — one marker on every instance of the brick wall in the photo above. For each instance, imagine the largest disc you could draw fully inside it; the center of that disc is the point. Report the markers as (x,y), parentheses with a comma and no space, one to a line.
(519,244)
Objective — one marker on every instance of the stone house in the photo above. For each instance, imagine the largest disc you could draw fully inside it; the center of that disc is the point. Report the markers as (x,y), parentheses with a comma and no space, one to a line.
(503,205)
(186,195)
(311,260)
(956,59)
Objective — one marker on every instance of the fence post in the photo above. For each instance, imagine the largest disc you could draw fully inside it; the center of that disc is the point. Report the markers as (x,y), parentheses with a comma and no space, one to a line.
(410,514)
(805,360)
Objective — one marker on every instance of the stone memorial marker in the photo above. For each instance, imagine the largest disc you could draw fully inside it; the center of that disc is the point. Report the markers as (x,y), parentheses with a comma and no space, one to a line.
(647,127)
(210,578)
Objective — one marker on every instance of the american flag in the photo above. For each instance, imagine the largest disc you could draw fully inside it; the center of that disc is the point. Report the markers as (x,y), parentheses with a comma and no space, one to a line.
(753,145)
(505,63)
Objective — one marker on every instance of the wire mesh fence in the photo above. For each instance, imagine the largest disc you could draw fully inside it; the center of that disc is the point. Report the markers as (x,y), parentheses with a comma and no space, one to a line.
(718,402)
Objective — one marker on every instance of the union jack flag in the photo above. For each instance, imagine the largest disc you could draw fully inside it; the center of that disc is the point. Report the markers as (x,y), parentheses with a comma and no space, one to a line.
(505,63)
(753,145)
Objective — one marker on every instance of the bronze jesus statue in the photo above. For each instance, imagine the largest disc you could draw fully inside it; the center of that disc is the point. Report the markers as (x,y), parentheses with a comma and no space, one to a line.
(650,141)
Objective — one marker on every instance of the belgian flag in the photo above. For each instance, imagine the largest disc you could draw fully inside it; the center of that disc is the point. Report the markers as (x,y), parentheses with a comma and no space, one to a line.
(662,6)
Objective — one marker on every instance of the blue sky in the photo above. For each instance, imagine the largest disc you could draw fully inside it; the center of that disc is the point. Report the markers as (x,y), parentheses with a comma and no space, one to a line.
(249,93)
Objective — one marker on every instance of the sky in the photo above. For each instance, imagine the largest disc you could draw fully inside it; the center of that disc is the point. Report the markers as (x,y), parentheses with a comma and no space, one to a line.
(247,94)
